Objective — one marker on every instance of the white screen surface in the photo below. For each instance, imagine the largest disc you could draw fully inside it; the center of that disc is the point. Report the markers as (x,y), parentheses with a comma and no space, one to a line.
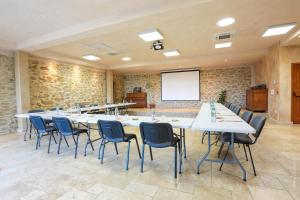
(180,86)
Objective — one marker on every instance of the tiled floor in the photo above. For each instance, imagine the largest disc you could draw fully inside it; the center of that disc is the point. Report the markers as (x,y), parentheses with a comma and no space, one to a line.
(26,173)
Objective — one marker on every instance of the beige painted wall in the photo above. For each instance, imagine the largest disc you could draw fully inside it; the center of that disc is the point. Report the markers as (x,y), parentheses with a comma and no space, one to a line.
(275,71)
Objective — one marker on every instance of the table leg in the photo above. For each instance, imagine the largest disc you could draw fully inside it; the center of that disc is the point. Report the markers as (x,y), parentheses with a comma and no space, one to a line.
(89,139)
(184,143)
(235,158)
(180,151)
(205,155)
(25,134)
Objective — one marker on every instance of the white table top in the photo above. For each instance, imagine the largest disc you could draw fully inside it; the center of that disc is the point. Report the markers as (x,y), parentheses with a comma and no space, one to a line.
(176,122)
(226,120)
(100,107)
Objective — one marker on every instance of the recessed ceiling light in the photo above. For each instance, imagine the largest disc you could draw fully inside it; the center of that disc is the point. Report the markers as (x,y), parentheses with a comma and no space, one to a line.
(278,29)
(91,57)
(126,58)
(226,21)
(171,53)
(223,45)
(151,35)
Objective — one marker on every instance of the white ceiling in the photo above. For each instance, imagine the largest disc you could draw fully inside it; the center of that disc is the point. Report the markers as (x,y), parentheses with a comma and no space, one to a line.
(67,29)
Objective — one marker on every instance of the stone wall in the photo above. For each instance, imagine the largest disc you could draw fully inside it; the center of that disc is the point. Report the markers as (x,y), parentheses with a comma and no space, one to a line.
(59,84)
(234,80)
(118,87)
(7,94)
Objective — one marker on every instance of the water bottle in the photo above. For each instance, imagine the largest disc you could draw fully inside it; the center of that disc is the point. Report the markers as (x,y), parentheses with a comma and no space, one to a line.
(57,110)
(116,112)
(152,114)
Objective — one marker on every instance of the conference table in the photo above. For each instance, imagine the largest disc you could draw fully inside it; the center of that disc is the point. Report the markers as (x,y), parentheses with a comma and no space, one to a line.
(100,107)
(224,120)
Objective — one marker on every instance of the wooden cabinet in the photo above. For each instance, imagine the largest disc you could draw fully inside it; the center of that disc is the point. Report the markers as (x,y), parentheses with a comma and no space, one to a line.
(140,98)
(257,99)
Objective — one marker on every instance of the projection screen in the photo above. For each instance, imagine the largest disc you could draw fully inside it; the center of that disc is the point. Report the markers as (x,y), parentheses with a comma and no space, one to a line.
(180,86)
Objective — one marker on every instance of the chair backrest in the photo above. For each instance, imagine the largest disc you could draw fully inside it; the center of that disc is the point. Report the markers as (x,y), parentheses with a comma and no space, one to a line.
(63,125)
(157,134)
(258,123)
(54,109)
(227,104)
(111,130)
(38,123)
(36,111)
(236,110)
(231,107)
(247,115)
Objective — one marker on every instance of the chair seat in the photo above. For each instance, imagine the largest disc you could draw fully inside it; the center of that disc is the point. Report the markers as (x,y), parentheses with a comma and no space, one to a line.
(238,138)
(163,145)
(79,131)
(50,128)
(48,121)
(129,136)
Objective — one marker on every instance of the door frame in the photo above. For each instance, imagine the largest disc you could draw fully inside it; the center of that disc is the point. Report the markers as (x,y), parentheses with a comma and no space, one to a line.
(292,101)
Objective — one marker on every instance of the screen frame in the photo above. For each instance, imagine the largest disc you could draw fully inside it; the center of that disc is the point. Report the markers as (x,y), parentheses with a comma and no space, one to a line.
(179,72)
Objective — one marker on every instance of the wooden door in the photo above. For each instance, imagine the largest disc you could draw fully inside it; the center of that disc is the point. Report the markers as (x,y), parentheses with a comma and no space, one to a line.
(296,93)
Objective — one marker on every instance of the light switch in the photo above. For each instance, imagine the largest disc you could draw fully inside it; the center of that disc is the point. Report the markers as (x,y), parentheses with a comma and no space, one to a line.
(272,92)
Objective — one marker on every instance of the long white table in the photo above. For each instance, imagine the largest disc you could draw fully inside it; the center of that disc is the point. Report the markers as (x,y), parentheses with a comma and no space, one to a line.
(100,107)
(226,121)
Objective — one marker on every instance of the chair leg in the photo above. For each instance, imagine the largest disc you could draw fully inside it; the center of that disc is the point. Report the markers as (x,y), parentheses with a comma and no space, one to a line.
(252,160)
(128,152)
(180,157)
(245,152)
(76,147)
(100,147)
(143,156)
(37,141)
(224,158)
(138,148)
(51,133)
(116,148)
(60,138)
(54,138)
(66,141)
(151,155)
(220,150)
(30,131)
(103,148)
(175,162)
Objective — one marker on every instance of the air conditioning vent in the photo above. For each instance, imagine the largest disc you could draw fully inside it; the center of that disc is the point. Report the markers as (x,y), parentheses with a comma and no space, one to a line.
(223,36)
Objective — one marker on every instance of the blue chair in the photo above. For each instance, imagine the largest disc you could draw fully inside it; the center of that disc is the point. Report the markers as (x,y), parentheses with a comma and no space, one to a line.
(42,129)
(54,109)
(30,127)
(257,123)
(247,116)
(227,104)
(236,110)
(160,135)
(65,129)
(113,131)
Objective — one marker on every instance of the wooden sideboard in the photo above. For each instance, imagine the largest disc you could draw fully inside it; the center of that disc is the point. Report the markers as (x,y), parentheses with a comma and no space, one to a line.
(257,99)
(140,98)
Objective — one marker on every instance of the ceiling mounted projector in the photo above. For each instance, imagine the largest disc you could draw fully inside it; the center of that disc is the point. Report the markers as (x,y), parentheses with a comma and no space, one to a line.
(158,45)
